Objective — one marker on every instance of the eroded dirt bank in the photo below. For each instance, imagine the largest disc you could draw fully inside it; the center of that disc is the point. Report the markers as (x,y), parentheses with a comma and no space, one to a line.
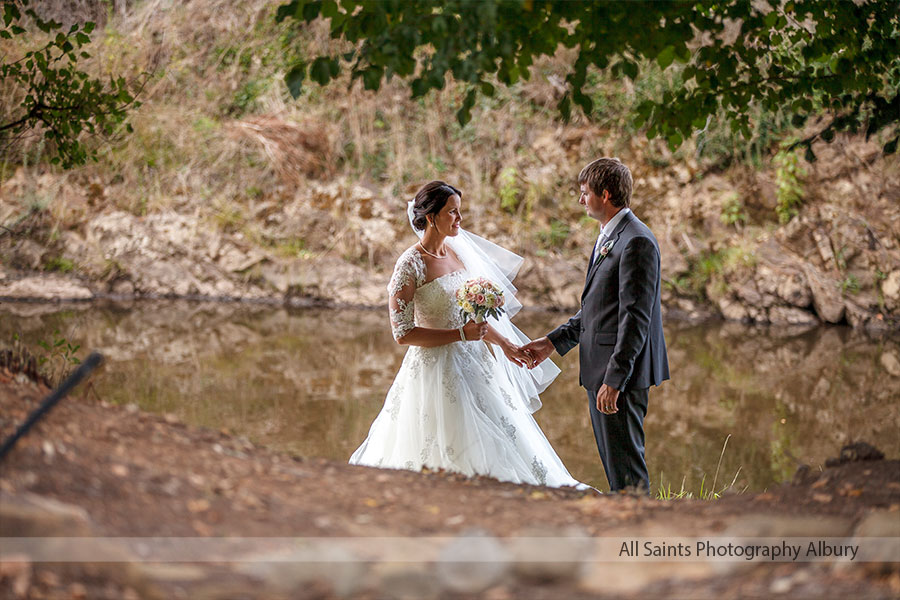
(92,469)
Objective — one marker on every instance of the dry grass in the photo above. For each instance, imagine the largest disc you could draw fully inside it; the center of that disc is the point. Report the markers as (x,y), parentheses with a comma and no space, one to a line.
(218,135)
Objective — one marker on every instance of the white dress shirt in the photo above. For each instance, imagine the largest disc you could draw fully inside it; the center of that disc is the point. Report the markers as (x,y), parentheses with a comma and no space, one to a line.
(606,230)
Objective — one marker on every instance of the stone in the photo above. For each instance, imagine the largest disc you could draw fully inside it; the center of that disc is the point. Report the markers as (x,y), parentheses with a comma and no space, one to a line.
(45,287)
(780,526)
(856,314)
(823,245)
(290,571)
(732,310)
(409,585)
(890,287)
(545,555)
(30,515)
(826,296)
(234,260)
(789,315)
(879,523)
(748,293)
(629,578)
(879,537)
(121,287)
(28,254)
(793,288)
(890,362)
(471,563)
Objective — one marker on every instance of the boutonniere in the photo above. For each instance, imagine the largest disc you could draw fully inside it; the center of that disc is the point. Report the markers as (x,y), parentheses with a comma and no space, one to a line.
(605,248)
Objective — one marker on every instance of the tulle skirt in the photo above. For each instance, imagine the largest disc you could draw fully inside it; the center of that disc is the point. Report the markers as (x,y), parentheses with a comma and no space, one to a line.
(457,407)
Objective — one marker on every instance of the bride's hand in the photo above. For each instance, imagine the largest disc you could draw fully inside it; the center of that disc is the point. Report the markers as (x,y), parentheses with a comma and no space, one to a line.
(475,331)
(516,354)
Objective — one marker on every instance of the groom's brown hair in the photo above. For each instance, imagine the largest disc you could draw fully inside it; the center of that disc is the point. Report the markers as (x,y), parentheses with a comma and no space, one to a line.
(608,174)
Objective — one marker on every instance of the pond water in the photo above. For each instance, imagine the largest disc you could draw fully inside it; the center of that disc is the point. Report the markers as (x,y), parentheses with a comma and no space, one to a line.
(311,381)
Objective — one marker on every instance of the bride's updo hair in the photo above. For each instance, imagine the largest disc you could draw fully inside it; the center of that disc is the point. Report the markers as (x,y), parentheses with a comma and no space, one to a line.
(430,200)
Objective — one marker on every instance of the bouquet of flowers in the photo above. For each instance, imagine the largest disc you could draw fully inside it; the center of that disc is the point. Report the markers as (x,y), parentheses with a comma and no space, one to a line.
(480,298)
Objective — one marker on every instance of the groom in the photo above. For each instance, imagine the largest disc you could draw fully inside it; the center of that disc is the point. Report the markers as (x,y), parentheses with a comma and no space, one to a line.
(619,326)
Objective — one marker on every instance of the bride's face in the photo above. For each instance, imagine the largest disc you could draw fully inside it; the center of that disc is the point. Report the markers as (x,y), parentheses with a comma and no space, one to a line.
(448,220)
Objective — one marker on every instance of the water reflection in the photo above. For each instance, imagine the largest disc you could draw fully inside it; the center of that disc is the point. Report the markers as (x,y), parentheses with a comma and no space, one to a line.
(311,382)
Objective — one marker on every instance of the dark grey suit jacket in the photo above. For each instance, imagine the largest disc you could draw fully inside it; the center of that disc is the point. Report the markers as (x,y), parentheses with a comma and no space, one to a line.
(619,325)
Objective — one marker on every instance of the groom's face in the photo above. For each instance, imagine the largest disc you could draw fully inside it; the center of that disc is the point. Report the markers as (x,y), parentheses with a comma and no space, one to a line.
(592,203)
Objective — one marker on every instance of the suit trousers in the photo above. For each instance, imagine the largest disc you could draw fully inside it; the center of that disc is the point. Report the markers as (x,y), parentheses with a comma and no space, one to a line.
(620,440)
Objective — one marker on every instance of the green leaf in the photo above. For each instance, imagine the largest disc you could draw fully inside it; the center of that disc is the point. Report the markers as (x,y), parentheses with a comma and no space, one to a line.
(565,108)
(10,13)
(891,146)
(311,11)
(329,9)
(674,140)
(372,78)
(320,71)
(665,58)
(88,27)
(294,79)
(809,155)
(287,10)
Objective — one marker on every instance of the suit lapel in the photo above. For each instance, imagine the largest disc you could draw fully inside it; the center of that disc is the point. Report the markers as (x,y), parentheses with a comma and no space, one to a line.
(595,264)
(590,263)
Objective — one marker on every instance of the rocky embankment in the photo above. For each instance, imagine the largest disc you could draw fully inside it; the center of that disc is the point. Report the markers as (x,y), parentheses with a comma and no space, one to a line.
(837,261)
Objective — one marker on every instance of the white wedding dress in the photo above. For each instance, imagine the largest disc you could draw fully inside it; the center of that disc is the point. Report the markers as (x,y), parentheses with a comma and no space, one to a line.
(456,407)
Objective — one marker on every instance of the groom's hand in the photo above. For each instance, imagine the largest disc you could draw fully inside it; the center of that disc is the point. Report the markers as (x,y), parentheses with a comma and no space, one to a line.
(538,351)
(606,400)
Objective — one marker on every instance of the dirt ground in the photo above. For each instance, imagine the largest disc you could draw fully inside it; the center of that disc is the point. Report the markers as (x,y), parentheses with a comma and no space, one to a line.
(139,474)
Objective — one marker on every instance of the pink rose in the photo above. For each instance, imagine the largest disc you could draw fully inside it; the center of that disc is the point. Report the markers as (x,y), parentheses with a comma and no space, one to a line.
(479,298)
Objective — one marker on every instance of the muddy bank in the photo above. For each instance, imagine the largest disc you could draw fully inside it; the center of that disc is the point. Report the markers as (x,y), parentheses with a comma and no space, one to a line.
(93,469)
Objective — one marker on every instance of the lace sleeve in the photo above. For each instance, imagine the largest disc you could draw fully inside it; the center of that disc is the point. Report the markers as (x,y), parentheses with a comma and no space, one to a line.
(409,273)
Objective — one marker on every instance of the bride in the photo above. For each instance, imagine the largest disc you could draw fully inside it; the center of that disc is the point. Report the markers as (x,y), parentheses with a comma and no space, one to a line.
(454,405)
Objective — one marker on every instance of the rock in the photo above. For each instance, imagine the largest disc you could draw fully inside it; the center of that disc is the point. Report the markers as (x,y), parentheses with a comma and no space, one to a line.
(409,584)
(826,295)
(823,244)
(28,254)
(891,363)
(780,526)
(545,556)
(17,568)
(858,451)
(629,578)
(857,315)
(794,289)
(748,293)
(472,563)
(879,523)
(789,315)
(879,538)
(234,260)
(890,287)
(121,287)
(45,287)
(732,310)
(28,515)
(291,571)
